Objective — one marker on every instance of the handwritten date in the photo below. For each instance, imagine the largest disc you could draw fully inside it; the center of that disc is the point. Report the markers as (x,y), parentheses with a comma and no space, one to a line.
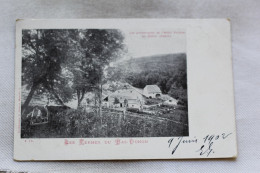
(208,142)
(207,147)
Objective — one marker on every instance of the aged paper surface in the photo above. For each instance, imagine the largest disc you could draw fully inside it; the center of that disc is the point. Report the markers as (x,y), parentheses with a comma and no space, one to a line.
(103,89)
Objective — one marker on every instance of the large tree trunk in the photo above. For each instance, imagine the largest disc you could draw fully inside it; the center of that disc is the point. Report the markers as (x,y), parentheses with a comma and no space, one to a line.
(100,102)
(29,98)
(34,86)
(51,90)
(80,96)
(57,98)
(95,96)
(79,103)
(100,109)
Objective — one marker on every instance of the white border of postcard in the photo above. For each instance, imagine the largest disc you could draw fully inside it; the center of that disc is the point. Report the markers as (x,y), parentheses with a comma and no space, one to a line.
(212,131)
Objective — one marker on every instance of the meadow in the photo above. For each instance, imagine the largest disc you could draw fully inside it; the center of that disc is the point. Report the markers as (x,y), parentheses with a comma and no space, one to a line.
(73,123)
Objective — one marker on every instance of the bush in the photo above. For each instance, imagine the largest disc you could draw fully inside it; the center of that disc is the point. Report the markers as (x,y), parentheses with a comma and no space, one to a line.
(153,101)
(181,95)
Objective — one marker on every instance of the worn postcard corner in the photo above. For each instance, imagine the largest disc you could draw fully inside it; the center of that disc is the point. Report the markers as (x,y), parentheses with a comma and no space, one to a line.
(111,89)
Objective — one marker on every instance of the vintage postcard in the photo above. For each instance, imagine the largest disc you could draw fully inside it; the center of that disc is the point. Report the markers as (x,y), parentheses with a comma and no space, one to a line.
(113,89)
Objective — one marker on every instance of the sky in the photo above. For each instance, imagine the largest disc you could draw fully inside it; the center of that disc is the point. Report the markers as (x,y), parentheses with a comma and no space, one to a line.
(146,42)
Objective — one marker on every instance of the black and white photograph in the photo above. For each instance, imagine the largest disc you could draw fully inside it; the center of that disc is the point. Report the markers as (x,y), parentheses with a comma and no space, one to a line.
(104,83)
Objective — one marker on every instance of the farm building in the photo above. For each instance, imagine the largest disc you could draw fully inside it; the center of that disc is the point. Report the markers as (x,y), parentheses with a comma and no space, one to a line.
(120,98)
(168,100)
(152,91)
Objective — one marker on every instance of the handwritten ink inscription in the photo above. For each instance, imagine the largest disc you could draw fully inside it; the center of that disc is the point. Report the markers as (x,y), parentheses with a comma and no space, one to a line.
(180,140)
(207,147)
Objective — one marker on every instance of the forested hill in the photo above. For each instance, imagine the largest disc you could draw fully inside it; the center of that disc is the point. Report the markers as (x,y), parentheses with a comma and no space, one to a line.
(163,70)
(167,71)
(161,63)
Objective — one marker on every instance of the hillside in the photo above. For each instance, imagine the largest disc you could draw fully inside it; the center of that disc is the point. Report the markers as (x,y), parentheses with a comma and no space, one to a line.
(156,62)
(163,70)
(167,71)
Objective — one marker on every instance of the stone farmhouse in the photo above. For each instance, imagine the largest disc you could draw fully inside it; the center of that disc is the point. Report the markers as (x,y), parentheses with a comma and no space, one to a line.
(152,91)
(131,97)
(128,96)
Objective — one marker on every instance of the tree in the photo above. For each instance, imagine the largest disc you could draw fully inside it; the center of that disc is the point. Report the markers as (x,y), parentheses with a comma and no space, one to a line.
(116,101)
(43,54)
(95,50)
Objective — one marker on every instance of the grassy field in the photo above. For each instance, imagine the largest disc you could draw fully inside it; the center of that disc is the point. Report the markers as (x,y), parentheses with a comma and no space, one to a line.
(71,123)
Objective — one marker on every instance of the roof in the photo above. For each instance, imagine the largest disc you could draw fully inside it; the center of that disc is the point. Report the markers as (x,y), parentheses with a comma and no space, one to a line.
(167,98)
(126,93)
(153,89)
(139,90)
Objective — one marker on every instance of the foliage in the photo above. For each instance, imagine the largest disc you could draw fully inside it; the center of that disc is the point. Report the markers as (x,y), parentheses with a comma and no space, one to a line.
(163,70)
(44,53)
(116,101)
(180,94)
(93,51)
(152,101)
(69,123)
(56,62)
